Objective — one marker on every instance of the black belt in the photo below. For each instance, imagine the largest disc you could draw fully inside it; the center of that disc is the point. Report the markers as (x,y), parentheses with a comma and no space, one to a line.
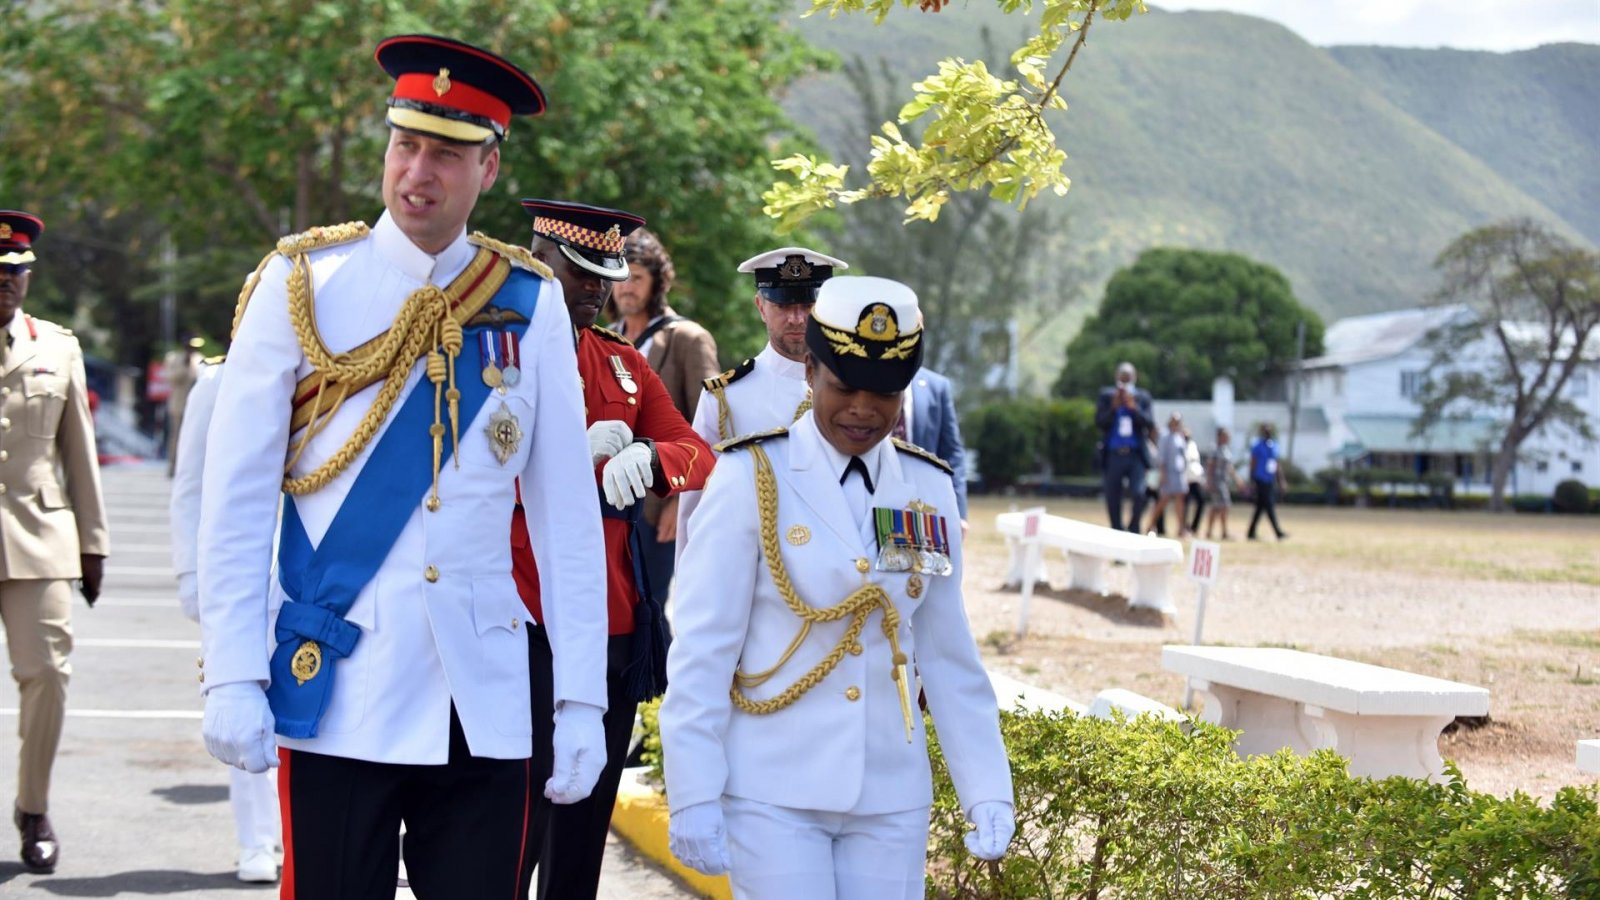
(1123,451)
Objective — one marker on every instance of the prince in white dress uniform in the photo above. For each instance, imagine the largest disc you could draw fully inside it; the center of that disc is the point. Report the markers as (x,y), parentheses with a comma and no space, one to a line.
(827,570)
(769,390)
(388,650)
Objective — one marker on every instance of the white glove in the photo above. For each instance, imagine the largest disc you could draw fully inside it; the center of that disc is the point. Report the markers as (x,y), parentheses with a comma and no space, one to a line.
(580,752)
(697,837)
(189,595)
(238,726)
(627,476)
(996,823)
(607,438)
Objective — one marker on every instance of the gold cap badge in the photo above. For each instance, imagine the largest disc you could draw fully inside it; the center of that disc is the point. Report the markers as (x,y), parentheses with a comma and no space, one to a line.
(441,82)
(877,324)
(794,268)
(5,231)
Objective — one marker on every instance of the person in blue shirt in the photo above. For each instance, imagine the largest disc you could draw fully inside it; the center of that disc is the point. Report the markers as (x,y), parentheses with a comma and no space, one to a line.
(1266,476)
(1123,415)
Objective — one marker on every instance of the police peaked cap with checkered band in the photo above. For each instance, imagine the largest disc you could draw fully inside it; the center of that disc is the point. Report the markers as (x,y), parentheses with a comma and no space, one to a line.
(867,331)
(453,90)
(590,236)
(791,274)
(18,231)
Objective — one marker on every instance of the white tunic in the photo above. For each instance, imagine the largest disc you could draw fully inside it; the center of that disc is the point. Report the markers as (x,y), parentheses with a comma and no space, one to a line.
(425,645)
(766,398)
(841,747)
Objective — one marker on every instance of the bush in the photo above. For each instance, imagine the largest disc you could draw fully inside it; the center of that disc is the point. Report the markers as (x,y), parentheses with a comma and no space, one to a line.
(1017,438)
(1571,496)
(1107,809)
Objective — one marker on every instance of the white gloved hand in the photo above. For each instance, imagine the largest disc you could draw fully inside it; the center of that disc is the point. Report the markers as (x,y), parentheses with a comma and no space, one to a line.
(238,726)
(996,823)
(627,476)
(580,752)
(189,595)
(607,437)
(698,837)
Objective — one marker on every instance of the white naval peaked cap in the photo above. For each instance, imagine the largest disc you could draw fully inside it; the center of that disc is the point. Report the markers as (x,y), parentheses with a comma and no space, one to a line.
(868,331)
(772,259)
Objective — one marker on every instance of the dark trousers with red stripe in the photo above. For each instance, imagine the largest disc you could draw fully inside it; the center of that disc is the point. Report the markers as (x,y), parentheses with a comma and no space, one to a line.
(341,824)
(568,843)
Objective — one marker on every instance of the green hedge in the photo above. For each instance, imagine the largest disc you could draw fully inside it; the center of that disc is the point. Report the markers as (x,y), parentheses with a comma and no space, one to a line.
(1018,438)
(1111,809)
(1140,809)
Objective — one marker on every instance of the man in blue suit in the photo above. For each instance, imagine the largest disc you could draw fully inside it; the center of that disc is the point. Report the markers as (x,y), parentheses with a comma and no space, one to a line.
(1123,415)
(928,419)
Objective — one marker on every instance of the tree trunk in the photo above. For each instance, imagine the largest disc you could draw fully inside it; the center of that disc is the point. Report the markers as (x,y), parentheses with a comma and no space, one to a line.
(1500,473)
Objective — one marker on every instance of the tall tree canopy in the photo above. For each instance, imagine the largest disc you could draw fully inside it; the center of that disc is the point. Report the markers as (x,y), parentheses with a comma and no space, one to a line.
(1536,300)
(1184,317)
(222,125)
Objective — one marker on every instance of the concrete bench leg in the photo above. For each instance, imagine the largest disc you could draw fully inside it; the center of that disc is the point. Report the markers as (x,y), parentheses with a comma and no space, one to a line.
(1150,589)
(1266,724)
(1088,572)
(1015,560)
(1380,746)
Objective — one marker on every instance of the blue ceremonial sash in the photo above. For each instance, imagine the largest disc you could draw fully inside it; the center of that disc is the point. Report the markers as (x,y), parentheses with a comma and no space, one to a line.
(322,584)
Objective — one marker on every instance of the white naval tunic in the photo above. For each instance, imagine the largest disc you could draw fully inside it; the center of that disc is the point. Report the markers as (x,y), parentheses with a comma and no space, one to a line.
(840,747)
(764,399)
(441,622)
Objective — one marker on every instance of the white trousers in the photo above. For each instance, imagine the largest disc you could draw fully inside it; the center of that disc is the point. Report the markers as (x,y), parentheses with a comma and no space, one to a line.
(780,853)
(255,807)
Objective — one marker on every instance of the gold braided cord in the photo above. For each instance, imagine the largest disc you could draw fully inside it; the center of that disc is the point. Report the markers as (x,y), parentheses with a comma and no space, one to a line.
(522,256)
(857,607)
(724,414)
(244,295)
(803,408)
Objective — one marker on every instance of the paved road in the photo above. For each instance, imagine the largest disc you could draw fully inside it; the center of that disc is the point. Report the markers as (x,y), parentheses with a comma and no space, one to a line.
(139,807)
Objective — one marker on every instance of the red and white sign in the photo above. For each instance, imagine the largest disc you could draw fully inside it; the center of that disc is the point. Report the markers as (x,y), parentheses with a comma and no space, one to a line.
(156,387)
(1030,523)
(1204,557)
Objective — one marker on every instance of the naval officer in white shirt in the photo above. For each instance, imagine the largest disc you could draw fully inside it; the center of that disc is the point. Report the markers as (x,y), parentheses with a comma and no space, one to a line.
(394,383)
(825,571)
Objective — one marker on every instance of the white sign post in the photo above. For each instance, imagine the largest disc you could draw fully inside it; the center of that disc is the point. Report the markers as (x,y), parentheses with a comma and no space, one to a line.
(1033,518)
(1204,560)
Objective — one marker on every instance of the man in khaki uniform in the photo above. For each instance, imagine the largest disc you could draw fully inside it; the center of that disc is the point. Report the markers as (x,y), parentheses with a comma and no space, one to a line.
(52,529)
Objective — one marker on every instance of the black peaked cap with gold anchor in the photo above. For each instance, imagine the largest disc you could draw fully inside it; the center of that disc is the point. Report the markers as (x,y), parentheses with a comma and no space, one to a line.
(453,90)
(867,331)
(790,275)
(18,231)
(592,237)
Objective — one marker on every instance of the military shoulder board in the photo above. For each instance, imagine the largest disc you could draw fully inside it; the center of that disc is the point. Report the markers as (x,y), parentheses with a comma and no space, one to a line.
(920,453)
(519,256)
(609,335)
(718,382)
(322,236)
(748,439)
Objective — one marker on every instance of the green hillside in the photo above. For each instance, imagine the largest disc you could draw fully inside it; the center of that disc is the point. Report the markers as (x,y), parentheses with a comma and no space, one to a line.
(1533,116)
(1222,131)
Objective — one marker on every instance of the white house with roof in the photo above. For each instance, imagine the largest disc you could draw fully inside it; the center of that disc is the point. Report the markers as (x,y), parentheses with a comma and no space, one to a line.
(1366,384)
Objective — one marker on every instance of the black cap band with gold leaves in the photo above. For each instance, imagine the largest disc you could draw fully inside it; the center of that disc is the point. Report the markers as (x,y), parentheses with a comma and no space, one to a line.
(453,90)
(790,275)
(867,331)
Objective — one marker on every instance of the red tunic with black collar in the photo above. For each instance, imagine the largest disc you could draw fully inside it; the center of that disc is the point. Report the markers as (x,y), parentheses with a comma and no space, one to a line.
(685,462)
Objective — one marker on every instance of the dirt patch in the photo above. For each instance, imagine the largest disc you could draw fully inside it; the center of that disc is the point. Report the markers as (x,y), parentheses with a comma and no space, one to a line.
(1509,603)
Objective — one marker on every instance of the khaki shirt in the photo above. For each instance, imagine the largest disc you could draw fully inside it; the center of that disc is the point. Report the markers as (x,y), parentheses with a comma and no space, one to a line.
(50,504)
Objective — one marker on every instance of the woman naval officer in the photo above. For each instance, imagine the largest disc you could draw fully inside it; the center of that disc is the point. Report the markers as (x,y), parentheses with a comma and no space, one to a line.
(827,571)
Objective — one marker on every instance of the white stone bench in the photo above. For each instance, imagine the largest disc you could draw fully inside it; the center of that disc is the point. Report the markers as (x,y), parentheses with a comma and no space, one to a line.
(1384,721)
(1011,693)
(1589,756)
(1131,705)
(1088,548)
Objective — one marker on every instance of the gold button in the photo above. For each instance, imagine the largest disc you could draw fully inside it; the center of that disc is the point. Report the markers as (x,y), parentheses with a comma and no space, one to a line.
(4,422)
(852,694)
(432,504)
(202,678)
(431,573)
(2,489)
(632,401)
(855,649)
(5,392)
(862,565)
(5,455)
(515,623)
(200,662)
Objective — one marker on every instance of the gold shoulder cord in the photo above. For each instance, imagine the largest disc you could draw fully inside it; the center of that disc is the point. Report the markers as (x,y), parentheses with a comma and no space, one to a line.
(724,414)
(803,408)
(857,606)
(424,322)
(522,256)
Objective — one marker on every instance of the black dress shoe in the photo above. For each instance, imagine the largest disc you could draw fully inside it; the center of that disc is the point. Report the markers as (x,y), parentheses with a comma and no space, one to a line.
(40,850)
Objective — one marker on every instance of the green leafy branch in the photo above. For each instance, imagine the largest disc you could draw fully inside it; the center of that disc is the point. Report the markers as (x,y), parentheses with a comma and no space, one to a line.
(982,132)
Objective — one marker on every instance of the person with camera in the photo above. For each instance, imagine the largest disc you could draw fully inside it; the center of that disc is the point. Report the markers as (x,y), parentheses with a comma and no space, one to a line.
(1123,415)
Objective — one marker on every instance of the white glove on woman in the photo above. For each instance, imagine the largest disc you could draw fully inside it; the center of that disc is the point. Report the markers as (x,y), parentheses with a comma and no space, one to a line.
(580,752)
(627,476)
(189,595)
(238,726)
(996,823)
(607,438)
(698,838)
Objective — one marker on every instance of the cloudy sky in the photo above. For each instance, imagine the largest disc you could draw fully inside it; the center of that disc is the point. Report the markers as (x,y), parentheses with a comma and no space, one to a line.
(1464,24)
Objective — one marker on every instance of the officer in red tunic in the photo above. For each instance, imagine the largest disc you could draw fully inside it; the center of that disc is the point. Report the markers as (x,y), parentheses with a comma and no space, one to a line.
(639,442)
